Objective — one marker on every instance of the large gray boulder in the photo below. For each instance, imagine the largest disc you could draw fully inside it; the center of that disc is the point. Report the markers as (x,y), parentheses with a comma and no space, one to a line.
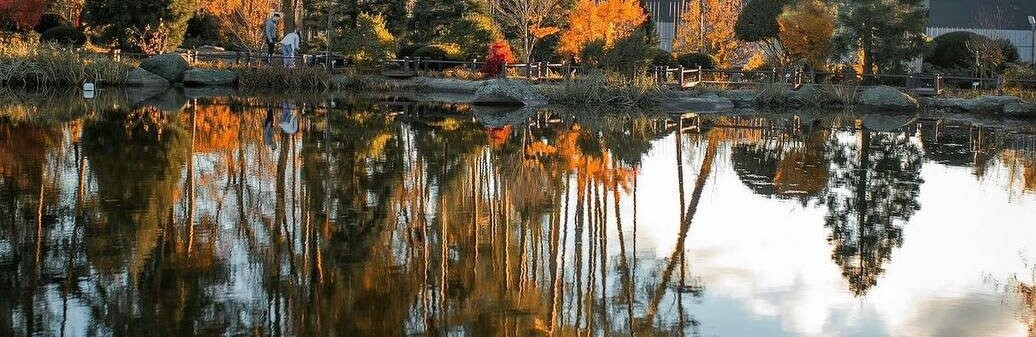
(209,77)
(138,77)
(508,92)
(887,99)
(170,66)
(994,104)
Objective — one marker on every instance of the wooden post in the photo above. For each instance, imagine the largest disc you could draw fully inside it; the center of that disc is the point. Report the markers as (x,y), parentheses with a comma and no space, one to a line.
(938,84)
(679,78)
(528,69)
(773,75)
(503,69)
(700,78)
(1000,85)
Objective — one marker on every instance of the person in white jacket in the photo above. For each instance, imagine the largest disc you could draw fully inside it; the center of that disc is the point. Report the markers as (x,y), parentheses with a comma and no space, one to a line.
(289,45)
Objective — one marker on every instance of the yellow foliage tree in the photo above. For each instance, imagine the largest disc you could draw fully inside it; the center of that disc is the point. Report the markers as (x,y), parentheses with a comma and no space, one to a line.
(806,30)
(720,17)
(601,20)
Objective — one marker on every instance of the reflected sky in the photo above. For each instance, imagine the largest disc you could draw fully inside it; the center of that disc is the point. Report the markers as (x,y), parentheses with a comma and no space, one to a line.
(271,217)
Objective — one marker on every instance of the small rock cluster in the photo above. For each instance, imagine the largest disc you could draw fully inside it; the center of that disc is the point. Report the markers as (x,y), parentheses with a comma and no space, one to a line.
(167,69)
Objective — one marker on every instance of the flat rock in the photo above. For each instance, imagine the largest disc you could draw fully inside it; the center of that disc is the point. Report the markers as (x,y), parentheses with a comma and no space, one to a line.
(508,92)
(209,77)
(1020,109)
(887,100)
(704,103)
(138,77)
(740,98)
(994,104)
(170,66)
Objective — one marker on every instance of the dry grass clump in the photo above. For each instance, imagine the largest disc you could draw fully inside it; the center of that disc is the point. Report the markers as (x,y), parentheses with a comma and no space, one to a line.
(30,64)
(597,88)
(282,78)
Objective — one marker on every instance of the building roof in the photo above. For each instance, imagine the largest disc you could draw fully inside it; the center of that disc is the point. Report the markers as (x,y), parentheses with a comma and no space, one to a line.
(982,14)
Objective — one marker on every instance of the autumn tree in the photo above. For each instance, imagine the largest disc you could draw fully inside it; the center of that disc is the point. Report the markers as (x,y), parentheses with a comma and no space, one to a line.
(713,35)
(238,20)
(606,20)
(806,30)
(889,32)
(530,20)
(21,14)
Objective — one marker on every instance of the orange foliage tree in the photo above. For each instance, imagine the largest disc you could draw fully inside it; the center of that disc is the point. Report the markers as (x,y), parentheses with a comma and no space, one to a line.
(806,30)
(21,14)
(602,20)
(720,17)
(240,21)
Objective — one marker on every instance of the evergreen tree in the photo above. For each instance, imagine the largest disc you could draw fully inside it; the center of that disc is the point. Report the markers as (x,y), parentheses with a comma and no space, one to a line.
(432,18)
(758,23)
(345,15)
(115,19)
(651,33)
(888,32)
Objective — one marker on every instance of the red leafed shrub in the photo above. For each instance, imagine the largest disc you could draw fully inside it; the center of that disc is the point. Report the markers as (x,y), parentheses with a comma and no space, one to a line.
(499,54)
(22,14)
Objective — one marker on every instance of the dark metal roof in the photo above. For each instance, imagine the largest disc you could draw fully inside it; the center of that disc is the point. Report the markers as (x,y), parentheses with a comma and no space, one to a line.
(986,14)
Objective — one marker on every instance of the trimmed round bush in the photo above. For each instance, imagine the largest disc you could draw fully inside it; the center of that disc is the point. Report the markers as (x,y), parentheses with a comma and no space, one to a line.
(660,57)
(694,60)
(439,52)
(951,50)
(408,50)
(66,35)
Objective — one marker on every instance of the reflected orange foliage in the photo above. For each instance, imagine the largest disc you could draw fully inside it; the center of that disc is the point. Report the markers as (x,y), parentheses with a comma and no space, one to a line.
(498,136)
(216,129)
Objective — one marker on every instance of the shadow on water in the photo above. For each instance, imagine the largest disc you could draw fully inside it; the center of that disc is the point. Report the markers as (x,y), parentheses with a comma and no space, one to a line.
(338,215)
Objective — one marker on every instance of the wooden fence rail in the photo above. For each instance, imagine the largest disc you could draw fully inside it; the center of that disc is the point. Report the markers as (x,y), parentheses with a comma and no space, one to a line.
(679,77)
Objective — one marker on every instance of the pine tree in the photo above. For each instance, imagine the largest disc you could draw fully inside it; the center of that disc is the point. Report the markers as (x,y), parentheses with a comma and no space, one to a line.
(344,15)
(432,18)
(650,32)
(888,32)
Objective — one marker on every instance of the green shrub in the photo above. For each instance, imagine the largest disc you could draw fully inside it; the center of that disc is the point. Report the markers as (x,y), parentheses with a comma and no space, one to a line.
(758,20)
(408,50)
(951,50)
(473,33)
(593,53)
(630,55)
(64,35)
(370,43)
(446,51)
(695,60)
(662,58)
(48,21)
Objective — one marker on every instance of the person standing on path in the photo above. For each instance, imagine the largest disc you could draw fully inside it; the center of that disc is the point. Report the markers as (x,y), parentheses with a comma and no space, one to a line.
(270,32)
(289,45)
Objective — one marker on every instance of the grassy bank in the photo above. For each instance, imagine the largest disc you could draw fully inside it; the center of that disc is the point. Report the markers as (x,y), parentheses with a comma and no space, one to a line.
(33,65)
(600,89)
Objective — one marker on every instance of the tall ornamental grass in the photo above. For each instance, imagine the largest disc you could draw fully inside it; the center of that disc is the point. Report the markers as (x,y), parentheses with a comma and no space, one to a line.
(34,65)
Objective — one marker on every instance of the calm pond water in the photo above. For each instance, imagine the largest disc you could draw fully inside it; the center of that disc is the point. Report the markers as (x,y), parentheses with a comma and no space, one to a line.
(355,217)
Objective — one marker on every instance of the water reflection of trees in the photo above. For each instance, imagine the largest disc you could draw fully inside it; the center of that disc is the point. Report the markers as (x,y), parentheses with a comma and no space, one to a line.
(873,190)
(371,223)
(869,181)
